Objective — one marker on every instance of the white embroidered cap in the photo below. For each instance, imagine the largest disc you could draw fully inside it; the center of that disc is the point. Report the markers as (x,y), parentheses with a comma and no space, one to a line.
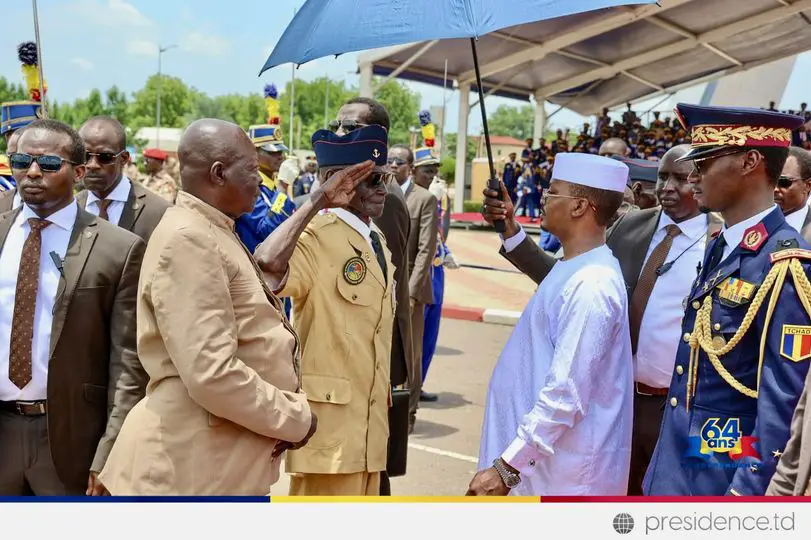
(590,170)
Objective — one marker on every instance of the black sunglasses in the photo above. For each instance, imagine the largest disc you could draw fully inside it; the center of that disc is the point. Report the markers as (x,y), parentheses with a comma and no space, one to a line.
(104,158)
(697,163)
(46,163)
(396,161)
(348,125)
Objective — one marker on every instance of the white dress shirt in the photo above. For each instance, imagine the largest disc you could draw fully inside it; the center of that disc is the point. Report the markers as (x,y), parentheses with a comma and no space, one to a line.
(660,328)
(55,238)
(734,235)
(117,197)
(797,218)
(404,185)
(560,401)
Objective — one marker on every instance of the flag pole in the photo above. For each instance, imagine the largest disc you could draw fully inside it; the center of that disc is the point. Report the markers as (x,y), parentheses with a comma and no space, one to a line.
(292,94)
(39,61)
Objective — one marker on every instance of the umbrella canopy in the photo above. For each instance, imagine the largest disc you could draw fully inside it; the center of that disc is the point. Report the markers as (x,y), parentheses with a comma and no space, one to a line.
(331,27)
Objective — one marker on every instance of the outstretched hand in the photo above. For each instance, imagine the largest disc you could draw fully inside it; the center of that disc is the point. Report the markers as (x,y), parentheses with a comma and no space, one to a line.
(339,188)
(499,209)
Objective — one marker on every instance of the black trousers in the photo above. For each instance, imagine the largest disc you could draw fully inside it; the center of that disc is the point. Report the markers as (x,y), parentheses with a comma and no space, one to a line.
(648,411)
(385,485)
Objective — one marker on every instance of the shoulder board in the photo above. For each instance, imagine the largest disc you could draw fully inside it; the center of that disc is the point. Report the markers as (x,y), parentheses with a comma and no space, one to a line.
(323,220)
(278,204)
(795,253)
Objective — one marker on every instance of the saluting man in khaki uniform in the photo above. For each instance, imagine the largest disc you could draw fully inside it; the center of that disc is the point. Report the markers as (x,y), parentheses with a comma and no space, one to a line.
(337,269)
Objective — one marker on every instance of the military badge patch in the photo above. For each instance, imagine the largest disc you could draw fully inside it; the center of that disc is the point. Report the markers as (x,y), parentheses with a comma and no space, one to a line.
(795,253)
(736,291)
(796,342)
(354,270)
(754,237)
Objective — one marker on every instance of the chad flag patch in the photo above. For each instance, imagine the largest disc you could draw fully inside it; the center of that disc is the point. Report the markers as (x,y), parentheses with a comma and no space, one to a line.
(796,343)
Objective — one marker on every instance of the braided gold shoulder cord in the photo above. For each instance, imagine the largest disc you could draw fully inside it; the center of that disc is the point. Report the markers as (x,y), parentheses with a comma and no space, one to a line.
(702,334)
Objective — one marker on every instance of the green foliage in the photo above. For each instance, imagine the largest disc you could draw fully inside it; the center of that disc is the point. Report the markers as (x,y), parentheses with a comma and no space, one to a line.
(512,121)
(403,106)
(472,206)
(450,147)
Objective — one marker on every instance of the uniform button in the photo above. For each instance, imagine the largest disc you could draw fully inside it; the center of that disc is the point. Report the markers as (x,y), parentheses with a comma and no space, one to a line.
(329,396)
(673,402)
(687,336)
(680,370)
(696,304)
(377,366)
(531,462)
(717,327)
(354,297)
(373,401)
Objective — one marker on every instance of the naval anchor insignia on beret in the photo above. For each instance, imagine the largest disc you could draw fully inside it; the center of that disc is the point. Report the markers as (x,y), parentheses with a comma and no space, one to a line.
(354,270)
(376,153)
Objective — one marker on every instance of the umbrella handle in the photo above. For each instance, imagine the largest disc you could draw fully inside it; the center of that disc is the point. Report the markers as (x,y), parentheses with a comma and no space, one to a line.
(492,182)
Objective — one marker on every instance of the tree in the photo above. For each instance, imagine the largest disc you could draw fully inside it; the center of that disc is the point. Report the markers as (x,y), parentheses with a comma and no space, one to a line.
(177,101)
(309,108)
(512,121)
(403,106)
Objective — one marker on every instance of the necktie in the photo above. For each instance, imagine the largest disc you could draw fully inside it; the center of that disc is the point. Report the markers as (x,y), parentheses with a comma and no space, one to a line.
(717,253)
(378,247)
(647,279)
(103,205)
(25,302)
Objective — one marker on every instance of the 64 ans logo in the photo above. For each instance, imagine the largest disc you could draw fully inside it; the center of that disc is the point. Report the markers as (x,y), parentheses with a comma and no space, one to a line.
(721,439)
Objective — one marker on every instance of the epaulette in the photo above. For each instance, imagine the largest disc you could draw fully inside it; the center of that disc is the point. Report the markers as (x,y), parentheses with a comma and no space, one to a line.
(789,249)
(323,220)
(278,204)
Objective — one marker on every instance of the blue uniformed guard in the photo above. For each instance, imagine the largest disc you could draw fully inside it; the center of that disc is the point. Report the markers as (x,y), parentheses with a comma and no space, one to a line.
(7,182)
(741,366)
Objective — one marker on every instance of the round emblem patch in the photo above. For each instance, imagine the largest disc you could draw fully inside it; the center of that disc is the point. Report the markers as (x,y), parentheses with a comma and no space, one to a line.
(354,270)
(752,239)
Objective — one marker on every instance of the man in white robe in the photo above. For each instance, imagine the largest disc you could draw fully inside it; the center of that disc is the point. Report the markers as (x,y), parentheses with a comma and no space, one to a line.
(559,407)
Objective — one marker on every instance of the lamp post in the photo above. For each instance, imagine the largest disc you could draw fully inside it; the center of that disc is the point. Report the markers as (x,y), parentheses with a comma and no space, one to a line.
(161,50)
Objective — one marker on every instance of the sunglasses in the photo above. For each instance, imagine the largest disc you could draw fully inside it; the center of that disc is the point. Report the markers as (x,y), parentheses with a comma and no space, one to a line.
(697,163)
(397,161)
(348,125)
(46,163)
(785,182)
(104,158)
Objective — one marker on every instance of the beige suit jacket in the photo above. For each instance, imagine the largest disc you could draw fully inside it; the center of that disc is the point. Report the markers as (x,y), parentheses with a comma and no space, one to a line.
(94,377)
(142,211)
(422,237)
(222,363)
(346,328)
(7,200)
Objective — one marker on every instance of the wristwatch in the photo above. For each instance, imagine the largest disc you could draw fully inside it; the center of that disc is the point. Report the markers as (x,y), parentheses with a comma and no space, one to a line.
(509,478)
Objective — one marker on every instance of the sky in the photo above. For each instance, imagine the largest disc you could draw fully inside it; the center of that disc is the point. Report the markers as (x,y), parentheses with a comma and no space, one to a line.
(219,49)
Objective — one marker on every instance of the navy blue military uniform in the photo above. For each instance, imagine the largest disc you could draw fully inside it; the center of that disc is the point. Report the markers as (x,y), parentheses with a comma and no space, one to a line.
(740,371)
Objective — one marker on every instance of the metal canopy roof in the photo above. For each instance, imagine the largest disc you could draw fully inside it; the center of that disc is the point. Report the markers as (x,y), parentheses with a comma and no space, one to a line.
(603,58)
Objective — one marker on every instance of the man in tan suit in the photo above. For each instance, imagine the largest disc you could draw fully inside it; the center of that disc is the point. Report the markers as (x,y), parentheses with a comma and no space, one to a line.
(11,199)
(110,194)
(68,380)
(422,237)
(223,399)
(792,191)
(338,272)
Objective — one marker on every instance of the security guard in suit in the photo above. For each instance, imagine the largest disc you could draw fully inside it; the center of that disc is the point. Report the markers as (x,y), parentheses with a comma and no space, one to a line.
(741,366)
(332,260)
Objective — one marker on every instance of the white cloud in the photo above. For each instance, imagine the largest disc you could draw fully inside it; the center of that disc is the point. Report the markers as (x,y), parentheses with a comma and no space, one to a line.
(112,13)
(142,47)
(208,44)
(82,63)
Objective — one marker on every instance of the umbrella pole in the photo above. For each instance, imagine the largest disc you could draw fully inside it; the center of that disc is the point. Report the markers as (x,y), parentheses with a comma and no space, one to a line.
(492,183)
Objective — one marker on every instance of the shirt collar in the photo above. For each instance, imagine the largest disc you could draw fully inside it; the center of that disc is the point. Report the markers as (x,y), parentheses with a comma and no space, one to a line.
(734,235)
(64,218)
(353,221)
(693,228)
(404,185)
(186,200)
(120,193)
(797,218)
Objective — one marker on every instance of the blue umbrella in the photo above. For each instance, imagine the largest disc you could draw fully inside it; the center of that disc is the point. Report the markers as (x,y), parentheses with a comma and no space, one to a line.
(332,27)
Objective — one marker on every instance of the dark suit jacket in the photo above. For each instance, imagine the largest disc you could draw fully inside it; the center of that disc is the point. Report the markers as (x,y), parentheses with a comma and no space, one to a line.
(94,376)
(142,212)
(394,222)
(629,239)
(805,231)
(422,238)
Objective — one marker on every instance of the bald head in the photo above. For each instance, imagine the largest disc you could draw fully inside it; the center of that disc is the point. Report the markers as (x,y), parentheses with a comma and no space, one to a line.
(614,147)
(115,131)
(219,165)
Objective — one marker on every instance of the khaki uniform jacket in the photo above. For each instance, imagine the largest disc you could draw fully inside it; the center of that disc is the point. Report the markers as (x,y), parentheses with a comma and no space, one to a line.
(346,333)
(222,362)
(422,237)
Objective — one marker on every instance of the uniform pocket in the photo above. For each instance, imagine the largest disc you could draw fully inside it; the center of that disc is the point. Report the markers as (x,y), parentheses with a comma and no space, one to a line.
(329,398)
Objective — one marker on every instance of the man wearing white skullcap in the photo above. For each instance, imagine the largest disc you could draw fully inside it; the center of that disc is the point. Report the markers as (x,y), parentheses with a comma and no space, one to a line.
(559,407)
